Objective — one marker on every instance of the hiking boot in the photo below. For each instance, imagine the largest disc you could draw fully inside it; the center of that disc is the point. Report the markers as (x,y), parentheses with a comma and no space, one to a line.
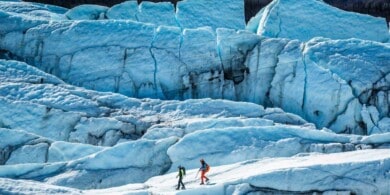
(183,188)
(207,179)
(177,189)
(201,183)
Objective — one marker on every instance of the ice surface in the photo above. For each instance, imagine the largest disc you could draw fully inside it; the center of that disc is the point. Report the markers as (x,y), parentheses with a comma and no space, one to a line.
(172,132)
(9,186)
(369,67)
(229,64)
(17,22)
(18,147)
(306,19)
(189,14)
(92,137)
(234,144)
(124,163)
(27,7)
(94,127)
(87,12)
(160,133)
(124,11)
(208,123)
(35,118)
(11,72)
(66,151)
(15,137)
(157,13)
(29,154)
(198,13)
(34,10)
(143,60)
(356,172)
(139,154)
(277,175)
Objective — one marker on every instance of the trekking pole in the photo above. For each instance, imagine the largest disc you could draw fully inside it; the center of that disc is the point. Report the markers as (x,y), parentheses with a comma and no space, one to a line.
(197,174)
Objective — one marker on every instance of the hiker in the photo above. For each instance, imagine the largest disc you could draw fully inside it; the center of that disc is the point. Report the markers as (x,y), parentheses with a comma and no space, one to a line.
(204,169)
(181,174)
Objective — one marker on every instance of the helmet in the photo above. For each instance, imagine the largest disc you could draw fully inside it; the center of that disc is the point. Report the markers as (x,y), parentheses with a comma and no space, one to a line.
(201,160)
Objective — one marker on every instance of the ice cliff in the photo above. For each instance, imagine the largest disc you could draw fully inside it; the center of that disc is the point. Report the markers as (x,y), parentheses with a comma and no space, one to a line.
(168,62)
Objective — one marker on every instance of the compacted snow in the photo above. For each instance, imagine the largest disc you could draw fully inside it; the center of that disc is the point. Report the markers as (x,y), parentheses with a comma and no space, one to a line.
(305,110)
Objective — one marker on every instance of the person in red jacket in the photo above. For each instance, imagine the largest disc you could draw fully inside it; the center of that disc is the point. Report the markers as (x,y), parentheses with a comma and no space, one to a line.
(204,169)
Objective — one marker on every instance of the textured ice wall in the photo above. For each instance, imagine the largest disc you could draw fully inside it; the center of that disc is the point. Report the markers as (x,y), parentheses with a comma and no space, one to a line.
(340,84)
(187,14)
(321,80)
(71,136)
(306,19)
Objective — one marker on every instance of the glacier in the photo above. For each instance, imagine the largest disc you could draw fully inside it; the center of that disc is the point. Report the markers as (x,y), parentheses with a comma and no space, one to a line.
(106,55)
(85,139)
(98,100)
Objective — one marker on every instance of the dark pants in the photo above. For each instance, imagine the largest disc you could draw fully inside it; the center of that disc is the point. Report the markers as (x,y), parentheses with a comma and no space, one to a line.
(180,182)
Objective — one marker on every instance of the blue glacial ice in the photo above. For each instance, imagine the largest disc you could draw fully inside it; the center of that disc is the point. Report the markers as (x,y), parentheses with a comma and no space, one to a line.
(306,19)
(304,106)
(143,60)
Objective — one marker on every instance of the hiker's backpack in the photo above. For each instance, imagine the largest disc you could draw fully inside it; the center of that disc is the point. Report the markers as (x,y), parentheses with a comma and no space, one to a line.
(184,170)
(207,167)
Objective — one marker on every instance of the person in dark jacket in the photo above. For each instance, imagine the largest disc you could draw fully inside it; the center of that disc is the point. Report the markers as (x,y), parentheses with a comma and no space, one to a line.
(181,174)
